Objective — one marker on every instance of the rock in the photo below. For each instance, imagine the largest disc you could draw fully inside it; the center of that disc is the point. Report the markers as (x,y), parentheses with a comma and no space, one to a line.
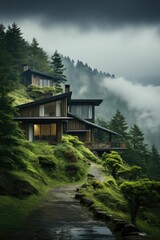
(115,220)
(79,196)
(129,229)
(94,208)
(103,216)
(137,236)
(90,175)
(119,225)
(86,201)
(22,189)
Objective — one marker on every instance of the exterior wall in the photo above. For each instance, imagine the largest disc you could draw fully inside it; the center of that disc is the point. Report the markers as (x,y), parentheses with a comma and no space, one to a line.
(76,124)
(41,81)
(30,112)
(29,133)
(59,110)
(38,80)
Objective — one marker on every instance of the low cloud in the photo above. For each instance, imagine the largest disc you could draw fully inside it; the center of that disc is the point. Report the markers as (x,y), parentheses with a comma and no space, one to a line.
(84,14)
(143,100)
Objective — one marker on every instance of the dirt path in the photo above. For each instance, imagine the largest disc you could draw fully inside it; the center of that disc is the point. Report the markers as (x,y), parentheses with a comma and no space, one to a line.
(61,217)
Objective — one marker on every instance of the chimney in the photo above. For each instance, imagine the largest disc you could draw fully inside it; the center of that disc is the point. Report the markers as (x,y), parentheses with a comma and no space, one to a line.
(67,88)
(25,67)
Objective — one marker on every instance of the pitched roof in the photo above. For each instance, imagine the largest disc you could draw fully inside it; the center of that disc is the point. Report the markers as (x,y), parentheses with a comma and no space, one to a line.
(41,74)
(94,125)
(95,102)
(45,100)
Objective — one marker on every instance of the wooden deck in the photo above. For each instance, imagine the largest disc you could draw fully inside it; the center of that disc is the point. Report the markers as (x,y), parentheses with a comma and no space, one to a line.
(100,148)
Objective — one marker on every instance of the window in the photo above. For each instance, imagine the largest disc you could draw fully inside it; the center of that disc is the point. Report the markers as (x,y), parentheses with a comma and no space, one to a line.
(82,111)
(52,109)
(45,132)
(45,83)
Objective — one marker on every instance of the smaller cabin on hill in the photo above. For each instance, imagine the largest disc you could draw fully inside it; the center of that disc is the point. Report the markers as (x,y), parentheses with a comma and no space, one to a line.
(30,76)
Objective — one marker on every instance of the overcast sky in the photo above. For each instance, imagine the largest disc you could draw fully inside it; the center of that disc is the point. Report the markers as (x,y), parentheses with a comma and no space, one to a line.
(116,36)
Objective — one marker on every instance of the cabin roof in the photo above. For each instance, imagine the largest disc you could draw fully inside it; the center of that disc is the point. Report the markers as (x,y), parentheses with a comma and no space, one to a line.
(95,102)
(31,71)
(94,125)
(45,100)
(42,119)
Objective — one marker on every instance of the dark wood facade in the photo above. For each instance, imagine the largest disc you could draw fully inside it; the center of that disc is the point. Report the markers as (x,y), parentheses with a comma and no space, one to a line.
(30,76)
(47,119)
(44,120)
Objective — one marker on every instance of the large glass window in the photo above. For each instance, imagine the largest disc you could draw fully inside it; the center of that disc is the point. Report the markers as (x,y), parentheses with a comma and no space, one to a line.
(52,109)
(45,132)
(82,111)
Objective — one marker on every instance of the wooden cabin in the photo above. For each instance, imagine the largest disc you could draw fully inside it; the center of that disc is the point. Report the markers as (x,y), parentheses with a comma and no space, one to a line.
(49,118)
(45,119)
(30,76)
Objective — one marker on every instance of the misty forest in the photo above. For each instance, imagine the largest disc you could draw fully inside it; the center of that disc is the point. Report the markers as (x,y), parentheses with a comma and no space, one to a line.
(131,190)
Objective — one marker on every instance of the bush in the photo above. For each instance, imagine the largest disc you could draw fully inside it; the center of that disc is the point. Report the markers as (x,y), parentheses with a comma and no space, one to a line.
(47,162)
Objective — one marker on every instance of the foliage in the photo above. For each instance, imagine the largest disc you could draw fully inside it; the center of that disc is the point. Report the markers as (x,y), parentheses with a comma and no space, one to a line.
(38,59)
(83,152)
(143,193)
(10,134)
(58,68)
(20,95)
(130,173)
(119,125)
(35,92)
(113,162)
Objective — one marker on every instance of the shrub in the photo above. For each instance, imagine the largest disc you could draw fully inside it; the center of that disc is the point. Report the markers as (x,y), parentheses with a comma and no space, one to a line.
(47,162)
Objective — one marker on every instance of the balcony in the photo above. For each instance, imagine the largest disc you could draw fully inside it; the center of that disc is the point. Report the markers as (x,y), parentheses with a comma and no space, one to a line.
(102,147)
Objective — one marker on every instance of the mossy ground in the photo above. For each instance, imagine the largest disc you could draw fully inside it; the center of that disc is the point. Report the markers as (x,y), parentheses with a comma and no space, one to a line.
(44,167)
(108,197)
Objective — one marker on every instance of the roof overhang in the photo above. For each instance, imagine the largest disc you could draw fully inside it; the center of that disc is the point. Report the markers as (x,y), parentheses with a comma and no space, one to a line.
(41,119)
(95,102)
(46,100)
(94,125)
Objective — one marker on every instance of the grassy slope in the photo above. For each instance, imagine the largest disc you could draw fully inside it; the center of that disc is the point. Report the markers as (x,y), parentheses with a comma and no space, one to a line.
(108,197)
(64,161)
(44,167)
(20,96)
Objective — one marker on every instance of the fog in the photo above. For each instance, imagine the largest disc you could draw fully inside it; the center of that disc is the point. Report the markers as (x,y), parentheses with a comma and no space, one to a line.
(144,100)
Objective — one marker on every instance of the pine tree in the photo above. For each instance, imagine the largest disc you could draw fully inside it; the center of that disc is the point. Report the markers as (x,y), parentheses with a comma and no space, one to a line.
(154,165)
(16,46)
(10,133)
(119,124)
(137,149)
(38,59)
(58,67)
(137,138)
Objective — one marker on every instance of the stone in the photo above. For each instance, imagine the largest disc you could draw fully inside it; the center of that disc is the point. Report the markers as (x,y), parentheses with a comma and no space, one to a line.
(129,229)
(86,201)
(79,196)
(119,225)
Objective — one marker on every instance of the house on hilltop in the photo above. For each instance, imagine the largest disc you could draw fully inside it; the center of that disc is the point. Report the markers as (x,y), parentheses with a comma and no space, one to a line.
(30,76)
(44,120)
(49,118)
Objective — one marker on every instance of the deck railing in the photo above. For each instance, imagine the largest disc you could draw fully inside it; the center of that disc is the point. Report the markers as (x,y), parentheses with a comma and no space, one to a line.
(106,145)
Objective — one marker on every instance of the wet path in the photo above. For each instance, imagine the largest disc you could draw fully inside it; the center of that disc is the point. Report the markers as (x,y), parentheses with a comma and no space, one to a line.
(61,217)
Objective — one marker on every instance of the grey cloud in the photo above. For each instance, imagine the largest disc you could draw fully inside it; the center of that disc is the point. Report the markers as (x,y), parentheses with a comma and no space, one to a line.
(84,13)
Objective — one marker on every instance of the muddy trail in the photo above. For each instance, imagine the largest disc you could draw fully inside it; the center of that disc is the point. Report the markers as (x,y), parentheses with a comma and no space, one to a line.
(61,217)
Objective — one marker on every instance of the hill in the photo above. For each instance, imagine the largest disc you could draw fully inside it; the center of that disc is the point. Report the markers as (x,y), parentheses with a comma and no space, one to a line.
(136,99)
